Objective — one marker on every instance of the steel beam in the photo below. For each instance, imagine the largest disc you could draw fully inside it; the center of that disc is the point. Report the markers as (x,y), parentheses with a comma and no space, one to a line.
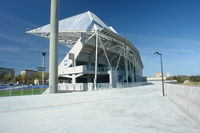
(96,62)
(105,54)
(126,65)
(119,59)
(90,37)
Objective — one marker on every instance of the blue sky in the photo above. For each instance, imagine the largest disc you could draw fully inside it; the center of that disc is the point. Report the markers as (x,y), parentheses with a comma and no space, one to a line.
(169,26)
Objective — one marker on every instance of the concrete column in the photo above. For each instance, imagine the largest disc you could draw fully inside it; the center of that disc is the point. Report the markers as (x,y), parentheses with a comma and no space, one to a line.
(53,50)
(113,78)
(73,79)
(126,65)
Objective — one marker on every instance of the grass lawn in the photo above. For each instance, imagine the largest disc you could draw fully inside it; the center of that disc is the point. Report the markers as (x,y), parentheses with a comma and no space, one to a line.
(19,92)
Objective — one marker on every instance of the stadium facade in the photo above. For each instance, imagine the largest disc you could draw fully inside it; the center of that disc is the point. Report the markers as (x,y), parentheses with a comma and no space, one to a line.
(98,54)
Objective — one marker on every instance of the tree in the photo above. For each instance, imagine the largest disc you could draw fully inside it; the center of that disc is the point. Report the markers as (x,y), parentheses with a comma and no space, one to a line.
(25,78)
(18,78)
(7,78)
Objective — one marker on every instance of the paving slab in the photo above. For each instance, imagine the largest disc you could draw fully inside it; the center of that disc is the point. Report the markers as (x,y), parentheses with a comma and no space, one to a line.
(137,109)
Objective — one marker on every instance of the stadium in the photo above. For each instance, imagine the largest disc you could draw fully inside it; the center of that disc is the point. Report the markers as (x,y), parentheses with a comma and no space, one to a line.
(97,55)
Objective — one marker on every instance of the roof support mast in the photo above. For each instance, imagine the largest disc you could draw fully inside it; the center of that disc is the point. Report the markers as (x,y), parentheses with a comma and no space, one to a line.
(53,51)
(96,61)
(126,64)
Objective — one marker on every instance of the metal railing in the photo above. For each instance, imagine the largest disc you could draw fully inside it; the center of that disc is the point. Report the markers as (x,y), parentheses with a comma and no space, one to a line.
(129,84)
(102,86)
(90,86)
(20,90)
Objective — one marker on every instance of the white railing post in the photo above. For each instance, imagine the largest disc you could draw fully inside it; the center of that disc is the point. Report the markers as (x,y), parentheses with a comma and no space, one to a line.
(32,90)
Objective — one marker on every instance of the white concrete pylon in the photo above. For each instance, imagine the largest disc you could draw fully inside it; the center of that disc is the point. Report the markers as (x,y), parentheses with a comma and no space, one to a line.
(53,50)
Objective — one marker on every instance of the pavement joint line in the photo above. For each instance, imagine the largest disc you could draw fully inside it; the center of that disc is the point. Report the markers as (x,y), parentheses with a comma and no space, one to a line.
(53,106)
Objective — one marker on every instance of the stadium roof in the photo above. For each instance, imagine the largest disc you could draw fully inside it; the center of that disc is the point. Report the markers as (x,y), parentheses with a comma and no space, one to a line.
(70,30)
(84,22)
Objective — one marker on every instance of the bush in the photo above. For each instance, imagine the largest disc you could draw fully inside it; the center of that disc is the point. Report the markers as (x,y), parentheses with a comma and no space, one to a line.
(182,78)
(194,78)
(172,78)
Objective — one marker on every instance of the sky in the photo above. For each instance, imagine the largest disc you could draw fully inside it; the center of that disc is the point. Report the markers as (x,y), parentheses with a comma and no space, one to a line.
(171,27)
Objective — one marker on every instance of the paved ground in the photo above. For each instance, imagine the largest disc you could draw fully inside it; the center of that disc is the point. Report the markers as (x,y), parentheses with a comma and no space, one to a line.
(139,109)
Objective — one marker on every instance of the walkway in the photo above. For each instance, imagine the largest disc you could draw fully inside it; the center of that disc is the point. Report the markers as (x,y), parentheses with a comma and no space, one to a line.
(138,109)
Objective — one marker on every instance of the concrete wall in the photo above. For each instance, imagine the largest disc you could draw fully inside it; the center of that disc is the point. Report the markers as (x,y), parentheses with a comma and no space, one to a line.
(75,87)
(66,62)
(187,97)
(75,70)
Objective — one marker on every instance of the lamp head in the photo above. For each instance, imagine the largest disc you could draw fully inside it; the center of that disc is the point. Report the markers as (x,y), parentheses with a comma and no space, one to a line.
(157,53)
(43,53)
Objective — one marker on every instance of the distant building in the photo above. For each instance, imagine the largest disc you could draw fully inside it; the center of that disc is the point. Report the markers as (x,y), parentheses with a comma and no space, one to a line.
(158,75)
(168,74)
(36,82)
(28,72)
(4,71)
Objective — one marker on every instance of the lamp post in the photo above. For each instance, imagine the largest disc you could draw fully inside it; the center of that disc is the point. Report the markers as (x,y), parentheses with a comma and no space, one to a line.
(42,70)
(43,65)
(158,53)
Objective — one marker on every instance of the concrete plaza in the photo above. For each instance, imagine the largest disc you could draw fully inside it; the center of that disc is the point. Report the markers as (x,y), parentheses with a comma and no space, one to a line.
(137,109)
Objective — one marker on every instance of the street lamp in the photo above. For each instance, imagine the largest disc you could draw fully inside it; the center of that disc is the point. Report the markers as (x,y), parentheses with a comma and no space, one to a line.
(43,65)
(157,53)
(42,70)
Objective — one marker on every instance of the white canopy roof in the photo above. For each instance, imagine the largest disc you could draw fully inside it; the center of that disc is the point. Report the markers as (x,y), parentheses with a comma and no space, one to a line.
(84,22)
(71,28)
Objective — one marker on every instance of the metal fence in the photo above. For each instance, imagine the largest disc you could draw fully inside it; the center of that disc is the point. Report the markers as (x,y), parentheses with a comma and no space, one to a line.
(129,84)
(103,86)
(68,87)
(19,90)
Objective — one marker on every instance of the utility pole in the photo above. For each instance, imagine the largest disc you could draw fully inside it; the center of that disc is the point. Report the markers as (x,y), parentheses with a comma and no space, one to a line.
(53,51)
